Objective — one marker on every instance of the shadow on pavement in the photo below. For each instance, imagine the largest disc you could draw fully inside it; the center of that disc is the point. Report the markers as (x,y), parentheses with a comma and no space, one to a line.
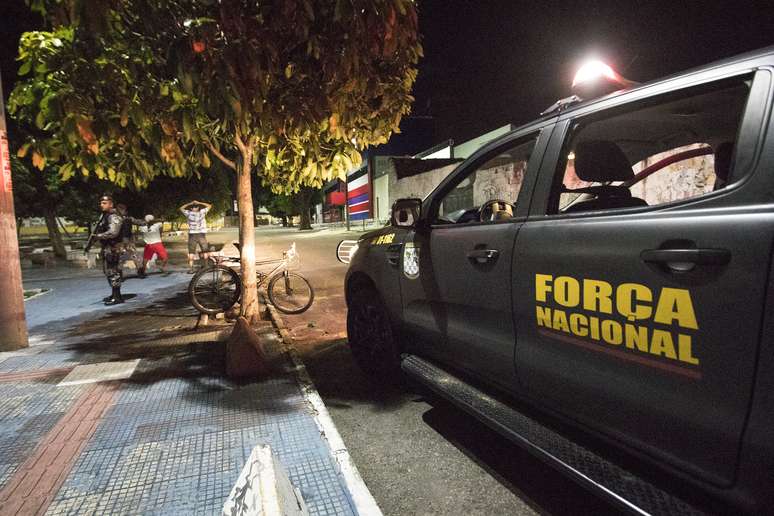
(538,484)
(341,383)
(162,335)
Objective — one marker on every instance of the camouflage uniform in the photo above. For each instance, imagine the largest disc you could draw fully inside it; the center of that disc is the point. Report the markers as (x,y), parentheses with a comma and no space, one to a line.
(127,240)
(108,232)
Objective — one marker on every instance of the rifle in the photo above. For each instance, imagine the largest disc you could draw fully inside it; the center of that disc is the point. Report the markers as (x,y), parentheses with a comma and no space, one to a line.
(93,233)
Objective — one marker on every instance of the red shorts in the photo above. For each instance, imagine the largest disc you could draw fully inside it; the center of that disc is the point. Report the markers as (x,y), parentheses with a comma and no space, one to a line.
(151,249)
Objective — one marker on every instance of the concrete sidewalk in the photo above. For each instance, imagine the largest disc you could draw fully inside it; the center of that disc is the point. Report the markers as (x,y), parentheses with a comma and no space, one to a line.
(76,293)
(153,426)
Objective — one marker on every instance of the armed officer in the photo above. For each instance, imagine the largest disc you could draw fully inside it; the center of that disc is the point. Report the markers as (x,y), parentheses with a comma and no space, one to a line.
(108,232)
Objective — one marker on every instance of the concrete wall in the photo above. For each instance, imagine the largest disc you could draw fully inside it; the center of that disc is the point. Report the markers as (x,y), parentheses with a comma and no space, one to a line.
(381,195)
(683,180)
(446,152)
(416,186)
(487,184)
(40,221)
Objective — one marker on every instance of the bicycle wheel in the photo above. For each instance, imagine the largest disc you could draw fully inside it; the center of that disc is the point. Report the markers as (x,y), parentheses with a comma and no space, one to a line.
(290,293)
(214,289)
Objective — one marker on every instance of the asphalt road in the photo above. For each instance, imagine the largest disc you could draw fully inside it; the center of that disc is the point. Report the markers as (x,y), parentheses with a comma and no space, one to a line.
(416,453)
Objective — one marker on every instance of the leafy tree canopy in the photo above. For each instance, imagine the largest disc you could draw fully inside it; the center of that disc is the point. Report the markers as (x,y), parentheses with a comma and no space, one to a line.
(301,84)
(290,89)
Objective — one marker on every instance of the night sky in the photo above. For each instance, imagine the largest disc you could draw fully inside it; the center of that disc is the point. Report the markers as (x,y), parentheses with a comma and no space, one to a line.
(489,62)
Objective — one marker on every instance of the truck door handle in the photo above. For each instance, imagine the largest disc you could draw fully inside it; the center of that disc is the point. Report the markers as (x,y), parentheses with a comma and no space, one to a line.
(393,253)
(483,255)
(684,260)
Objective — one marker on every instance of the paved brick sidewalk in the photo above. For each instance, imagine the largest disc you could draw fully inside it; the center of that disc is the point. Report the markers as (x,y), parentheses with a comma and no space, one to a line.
(170,439)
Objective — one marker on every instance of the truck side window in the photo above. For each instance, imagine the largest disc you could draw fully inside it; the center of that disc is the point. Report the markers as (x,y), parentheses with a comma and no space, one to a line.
(499,178)
(675,149)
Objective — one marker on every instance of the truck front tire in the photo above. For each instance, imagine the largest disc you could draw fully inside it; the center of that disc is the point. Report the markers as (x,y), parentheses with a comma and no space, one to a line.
(371,336)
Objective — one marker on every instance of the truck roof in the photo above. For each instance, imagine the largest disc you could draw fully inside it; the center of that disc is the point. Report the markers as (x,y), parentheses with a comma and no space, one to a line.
(739,58)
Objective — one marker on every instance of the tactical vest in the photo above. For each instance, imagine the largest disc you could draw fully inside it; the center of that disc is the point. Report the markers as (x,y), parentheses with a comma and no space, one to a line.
(104,225)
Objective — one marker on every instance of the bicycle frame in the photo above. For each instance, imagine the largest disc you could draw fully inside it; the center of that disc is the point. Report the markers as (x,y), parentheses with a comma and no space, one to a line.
(220,267)
(289,257)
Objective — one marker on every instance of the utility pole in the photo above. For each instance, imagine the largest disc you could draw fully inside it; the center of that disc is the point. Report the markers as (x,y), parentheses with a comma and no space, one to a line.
(346,199)
(13,324)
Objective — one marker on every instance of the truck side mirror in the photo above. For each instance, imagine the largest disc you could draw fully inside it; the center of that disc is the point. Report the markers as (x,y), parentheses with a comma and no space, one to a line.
(405,212)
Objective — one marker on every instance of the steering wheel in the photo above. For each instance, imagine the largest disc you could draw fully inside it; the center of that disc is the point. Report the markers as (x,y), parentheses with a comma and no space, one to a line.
(496,209)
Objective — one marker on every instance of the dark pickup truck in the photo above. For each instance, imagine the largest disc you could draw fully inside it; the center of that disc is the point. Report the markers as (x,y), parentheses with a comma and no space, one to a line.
(597,285)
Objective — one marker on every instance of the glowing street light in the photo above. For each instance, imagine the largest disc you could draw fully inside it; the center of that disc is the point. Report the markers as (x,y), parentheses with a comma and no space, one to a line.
(595,78)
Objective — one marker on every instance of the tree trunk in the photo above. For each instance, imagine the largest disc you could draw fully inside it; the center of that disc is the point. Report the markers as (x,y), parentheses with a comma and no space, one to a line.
(13,323)
(64,229)
(305,198)
(284,221)
(250,309)
(54,235)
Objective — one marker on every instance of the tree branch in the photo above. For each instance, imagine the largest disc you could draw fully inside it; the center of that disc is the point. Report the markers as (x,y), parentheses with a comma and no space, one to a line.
(220,156)
(238,140)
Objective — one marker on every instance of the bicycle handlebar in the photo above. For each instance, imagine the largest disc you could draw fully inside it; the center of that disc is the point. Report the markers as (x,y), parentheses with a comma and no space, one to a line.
(289,255)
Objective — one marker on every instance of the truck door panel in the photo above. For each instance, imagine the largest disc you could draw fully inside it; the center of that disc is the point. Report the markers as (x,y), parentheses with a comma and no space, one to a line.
(460,303)
(643,321)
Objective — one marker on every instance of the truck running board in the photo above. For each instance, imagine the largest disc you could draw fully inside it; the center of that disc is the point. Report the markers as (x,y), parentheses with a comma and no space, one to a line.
(589,469)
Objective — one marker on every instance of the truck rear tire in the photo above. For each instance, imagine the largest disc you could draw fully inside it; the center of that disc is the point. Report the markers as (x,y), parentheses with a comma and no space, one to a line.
(371,336)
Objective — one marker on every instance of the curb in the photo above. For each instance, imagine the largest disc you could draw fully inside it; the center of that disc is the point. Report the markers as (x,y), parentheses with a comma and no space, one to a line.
(365,504)
(40,292)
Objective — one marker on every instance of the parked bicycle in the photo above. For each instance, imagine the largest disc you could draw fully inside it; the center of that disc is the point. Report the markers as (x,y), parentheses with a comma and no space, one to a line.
(217,287)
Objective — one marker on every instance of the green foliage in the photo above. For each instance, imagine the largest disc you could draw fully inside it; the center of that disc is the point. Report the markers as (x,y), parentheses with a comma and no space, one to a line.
(86,95)
(164,86)
(307,83)
(37,193)
(291,205)
(130,89)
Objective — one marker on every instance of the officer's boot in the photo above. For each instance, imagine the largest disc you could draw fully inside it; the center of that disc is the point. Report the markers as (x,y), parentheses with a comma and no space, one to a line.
(115,298)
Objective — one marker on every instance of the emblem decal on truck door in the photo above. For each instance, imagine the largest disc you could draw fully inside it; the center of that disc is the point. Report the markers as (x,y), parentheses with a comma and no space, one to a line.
(411,260)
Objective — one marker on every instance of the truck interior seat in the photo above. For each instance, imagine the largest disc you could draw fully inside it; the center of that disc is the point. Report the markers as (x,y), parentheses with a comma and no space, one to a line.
(723,154)
(602,161)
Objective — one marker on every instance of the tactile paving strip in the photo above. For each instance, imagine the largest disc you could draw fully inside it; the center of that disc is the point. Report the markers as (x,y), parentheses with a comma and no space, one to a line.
(177,445)
(28,410)
(48,360)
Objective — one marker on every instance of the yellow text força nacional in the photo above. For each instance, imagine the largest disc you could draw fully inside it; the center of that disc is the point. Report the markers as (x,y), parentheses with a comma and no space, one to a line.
(634,302)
